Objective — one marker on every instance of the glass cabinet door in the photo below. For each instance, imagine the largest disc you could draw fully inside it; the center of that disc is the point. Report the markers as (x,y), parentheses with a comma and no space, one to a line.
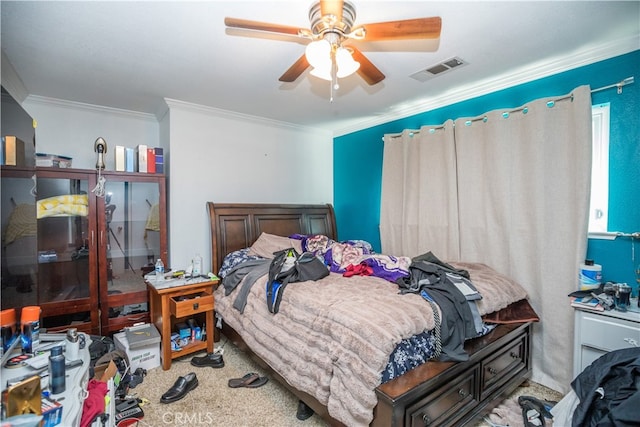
(133,240)
(48,248)
(19,240)
(63,219)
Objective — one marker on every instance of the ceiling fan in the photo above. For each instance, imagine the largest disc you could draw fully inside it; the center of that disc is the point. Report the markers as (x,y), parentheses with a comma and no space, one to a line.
(331,51)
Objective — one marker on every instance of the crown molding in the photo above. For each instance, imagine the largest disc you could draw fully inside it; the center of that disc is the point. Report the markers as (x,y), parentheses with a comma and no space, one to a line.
(521,75)
(11,80)
(232,115)
(73,105)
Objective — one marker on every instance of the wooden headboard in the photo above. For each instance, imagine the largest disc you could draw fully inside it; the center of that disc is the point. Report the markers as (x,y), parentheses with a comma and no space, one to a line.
(237,225)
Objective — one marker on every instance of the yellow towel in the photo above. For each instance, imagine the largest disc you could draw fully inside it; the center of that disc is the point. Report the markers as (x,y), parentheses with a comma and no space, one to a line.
(64,205)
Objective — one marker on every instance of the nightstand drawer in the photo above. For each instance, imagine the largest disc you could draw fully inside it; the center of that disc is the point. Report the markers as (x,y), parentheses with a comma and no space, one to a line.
(607,333)
(191,304)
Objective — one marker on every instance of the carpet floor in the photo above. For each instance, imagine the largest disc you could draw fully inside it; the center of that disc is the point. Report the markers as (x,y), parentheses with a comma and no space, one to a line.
(213,403)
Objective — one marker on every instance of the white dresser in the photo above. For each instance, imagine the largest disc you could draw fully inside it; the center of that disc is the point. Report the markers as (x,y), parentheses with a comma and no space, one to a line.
(597,333)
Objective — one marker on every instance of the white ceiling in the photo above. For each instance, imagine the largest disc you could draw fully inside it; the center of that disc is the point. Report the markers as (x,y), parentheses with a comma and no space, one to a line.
(133,55)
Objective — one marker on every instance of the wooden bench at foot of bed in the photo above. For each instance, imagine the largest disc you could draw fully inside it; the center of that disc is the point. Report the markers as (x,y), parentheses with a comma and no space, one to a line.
(449,393)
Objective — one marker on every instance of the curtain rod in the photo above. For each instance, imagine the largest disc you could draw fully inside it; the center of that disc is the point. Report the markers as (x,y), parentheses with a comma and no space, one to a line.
(611,235)
(619,85)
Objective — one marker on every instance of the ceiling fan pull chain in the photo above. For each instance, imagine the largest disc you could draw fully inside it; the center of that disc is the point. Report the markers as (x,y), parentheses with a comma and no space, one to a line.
(334,73)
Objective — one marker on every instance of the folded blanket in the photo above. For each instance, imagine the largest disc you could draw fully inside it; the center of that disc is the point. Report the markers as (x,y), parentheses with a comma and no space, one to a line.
(65,205)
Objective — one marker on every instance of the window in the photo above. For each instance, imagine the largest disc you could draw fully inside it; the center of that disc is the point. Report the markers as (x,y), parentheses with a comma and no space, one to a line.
(599,204)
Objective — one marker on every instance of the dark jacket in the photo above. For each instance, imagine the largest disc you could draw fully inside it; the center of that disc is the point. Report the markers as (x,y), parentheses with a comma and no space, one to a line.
(609,391)
(428,273)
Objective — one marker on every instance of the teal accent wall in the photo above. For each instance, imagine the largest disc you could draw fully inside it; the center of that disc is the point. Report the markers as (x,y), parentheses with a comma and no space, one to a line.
(358,157)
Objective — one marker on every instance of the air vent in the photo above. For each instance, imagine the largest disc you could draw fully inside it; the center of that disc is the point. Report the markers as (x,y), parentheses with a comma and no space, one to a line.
(438,69)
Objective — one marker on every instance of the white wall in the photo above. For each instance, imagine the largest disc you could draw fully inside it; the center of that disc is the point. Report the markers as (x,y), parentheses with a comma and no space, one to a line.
(71,129)
(210,155)
(222,157)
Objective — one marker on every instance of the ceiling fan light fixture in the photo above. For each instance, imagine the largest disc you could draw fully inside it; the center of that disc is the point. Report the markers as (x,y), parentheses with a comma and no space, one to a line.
(318,54)
(346,64)
(323,73)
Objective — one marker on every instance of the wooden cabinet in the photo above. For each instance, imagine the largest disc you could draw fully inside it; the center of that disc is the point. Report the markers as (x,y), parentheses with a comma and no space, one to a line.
(175,304)
(49,250)
(80,257)
(597,333)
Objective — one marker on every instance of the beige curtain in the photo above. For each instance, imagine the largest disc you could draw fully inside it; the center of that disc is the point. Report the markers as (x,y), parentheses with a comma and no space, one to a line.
(523,180)
(417,211)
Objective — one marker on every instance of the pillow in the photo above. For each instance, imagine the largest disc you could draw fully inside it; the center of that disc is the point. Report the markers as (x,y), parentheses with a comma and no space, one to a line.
(267,244)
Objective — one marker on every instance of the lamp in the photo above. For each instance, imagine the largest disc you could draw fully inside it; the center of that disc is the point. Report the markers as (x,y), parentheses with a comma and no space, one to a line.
(322,54)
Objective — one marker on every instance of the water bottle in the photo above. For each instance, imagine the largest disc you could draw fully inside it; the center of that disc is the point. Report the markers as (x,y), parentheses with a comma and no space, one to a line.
(159,270)
(72,345)
(197,266)
(57,373)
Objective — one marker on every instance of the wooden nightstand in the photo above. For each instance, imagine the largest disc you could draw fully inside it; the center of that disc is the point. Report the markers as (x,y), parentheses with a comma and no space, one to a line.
(171,305)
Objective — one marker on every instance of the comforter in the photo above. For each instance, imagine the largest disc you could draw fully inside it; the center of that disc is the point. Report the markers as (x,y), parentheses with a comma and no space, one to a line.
(332,338)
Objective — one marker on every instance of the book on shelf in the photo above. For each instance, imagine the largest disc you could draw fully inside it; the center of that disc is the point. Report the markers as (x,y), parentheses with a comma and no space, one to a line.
(588,302)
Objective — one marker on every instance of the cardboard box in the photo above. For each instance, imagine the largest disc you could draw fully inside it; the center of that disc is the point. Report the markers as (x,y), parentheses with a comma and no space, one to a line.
(141,158)
(120,159)
(159,153)
(151,160)
(13,151)
(130,159)
(51,412)
(106,372)
(144,350)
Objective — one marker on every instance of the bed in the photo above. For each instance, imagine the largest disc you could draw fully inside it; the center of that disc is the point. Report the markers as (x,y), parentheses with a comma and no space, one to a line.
(336,371)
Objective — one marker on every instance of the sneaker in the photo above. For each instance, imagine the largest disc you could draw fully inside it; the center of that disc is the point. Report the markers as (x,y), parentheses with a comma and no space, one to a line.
(211,359)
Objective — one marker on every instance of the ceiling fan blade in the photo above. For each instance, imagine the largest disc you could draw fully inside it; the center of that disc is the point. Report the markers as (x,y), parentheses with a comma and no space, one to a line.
(295,70)
(332,7)
(262,26)
(419,28)
(367,70)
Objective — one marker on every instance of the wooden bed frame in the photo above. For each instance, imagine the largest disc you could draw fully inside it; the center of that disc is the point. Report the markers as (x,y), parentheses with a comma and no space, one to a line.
(435,393)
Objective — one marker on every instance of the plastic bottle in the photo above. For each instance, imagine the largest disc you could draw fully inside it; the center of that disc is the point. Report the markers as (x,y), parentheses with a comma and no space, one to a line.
(57,374)
(590,276)
(197,265)
(159,270)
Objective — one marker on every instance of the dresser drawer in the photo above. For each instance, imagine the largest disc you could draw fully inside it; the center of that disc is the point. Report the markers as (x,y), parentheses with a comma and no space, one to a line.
(502,366)
(191,304)
(445,402)
(606,333)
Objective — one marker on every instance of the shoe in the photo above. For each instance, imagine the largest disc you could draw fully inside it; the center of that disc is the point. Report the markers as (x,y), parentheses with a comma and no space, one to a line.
(250,380)
(304,411)
(534,411)
(212,359)
(182,386)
